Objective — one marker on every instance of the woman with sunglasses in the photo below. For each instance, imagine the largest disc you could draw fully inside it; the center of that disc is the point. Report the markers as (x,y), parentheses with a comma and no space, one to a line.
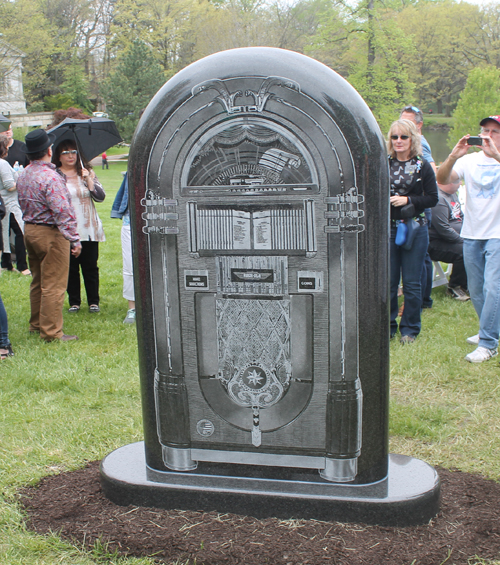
(413,189)
(84,189)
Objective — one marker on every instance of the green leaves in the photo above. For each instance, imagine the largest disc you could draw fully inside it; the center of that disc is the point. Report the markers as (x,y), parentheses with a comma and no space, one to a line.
(479,99)
(130,88)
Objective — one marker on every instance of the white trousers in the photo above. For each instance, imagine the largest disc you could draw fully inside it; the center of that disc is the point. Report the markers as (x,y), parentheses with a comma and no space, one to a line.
(128,271)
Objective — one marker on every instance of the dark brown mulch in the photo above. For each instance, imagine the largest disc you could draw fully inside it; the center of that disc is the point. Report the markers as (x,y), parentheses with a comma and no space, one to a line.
(74,505)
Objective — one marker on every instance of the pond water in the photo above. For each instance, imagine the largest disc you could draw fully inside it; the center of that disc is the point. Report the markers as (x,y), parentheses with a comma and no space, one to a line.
(437,141)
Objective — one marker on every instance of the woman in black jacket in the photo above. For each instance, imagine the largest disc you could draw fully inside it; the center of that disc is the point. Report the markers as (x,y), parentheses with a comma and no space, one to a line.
(413,188)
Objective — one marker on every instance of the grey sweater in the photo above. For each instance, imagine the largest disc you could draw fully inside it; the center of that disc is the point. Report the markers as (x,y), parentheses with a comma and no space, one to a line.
(447,219)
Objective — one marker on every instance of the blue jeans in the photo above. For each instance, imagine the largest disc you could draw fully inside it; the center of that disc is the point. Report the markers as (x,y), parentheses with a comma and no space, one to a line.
(482,263)
(408,265)
(4,327)
(426,282)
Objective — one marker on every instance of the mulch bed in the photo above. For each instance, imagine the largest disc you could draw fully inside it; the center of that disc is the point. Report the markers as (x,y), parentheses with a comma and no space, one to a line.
(73,505)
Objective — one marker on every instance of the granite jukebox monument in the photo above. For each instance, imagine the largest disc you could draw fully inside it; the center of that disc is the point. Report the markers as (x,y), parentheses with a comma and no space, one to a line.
(259,200)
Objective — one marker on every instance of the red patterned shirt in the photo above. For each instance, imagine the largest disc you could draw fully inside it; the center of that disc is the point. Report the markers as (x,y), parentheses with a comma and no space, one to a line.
(44,198)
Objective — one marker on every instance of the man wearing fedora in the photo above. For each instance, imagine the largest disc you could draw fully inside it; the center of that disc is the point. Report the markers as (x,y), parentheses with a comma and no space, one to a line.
(50,233)
(481,229)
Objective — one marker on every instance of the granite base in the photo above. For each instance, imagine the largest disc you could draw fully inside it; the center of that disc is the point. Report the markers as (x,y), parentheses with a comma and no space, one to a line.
(408,496)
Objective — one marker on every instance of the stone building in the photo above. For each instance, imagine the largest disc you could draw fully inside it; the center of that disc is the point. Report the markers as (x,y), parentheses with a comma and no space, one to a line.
(12,99)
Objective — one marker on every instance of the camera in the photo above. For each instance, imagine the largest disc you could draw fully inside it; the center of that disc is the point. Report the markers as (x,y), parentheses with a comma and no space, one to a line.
(475,140)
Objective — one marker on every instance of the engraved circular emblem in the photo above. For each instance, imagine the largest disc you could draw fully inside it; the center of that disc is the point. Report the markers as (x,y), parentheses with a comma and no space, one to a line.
(205,428)
(254,377)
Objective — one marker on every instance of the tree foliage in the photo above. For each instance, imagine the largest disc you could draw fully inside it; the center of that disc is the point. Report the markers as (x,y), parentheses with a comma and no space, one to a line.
(131,86)
(391,51)
(480,98)
(442,55)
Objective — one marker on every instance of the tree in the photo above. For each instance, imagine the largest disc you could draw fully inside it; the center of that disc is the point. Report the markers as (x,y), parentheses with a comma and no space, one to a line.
(76,87)
(443,54)
(365,45)
(480,98)
(169,27)
(23,25)
(130,88)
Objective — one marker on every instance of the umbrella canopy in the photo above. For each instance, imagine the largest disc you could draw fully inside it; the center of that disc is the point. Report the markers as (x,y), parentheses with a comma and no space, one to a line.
(4,123)
(92,136)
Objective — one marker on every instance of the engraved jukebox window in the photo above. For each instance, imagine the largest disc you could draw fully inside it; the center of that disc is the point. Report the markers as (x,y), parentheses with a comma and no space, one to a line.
(248,155)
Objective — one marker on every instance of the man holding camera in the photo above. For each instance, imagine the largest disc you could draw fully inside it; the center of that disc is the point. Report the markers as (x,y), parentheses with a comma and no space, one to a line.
(481,229)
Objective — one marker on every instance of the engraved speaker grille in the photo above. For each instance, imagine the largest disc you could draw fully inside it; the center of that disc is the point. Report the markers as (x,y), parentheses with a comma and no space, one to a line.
(254,333)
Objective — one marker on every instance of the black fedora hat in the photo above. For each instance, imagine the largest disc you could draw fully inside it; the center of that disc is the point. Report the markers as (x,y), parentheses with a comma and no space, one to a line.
(37,140)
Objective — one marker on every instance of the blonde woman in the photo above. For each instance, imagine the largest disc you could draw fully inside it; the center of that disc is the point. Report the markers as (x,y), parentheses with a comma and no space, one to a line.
(413,188)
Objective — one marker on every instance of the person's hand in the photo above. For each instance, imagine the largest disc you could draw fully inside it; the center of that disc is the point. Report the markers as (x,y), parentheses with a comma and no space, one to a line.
(489,148)
(76,249)
(88,178)
(399,200)
(460,148)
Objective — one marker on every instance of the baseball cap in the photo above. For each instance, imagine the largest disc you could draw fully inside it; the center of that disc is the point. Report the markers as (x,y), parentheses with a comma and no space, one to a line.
(494,118)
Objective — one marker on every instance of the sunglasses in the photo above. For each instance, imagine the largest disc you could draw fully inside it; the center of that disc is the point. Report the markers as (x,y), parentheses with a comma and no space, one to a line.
(403,137)
(72,152)
(411,109)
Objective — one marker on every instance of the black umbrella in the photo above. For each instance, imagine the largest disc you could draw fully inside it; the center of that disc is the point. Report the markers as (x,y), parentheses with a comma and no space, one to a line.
(92,136)
(4,123)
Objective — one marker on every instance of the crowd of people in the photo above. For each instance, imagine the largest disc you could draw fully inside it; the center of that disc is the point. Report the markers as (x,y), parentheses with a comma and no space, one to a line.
(428,224)
(49,206)
(50,199)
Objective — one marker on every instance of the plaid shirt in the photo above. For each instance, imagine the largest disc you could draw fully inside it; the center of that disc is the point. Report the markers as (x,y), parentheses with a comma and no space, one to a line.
(44,199)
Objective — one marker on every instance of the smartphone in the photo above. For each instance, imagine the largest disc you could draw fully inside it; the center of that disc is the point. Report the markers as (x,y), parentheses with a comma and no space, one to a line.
(475,140)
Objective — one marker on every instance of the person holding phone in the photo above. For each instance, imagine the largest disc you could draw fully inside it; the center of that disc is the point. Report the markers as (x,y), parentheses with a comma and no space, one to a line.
(481,229)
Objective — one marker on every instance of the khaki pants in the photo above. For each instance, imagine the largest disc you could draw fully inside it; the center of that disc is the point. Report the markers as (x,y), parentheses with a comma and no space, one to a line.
(48,255)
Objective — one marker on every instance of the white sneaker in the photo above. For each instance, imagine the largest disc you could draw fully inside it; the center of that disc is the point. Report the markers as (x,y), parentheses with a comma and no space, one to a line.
(473,339)
(481,354)
(130,317)
(457,293)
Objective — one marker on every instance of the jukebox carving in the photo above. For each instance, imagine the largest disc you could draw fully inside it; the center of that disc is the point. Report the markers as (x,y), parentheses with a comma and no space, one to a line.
(238,204)
(259,192)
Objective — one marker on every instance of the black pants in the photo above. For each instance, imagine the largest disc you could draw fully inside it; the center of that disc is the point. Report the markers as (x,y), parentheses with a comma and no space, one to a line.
(448,252)
(90,271)
(19,247)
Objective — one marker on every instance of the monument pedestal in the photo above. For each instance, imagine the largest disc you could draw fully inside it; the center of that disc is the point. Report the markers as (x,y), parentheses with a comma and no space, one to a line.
(409,495)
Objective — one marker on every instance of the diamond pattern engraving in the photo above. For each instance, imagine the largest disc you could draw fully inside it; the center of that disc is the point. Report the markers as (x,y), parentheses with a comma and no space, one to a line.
(254,350)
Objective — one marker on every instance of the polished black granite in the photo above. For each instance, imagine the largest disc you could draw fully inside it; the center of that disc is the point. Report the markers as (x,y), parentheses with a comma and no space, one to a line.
(408,496)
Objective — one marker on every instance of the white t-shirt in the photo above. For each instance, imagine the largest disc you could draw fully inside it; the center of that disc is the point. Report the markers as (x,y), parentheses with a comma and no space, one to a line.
(482,204)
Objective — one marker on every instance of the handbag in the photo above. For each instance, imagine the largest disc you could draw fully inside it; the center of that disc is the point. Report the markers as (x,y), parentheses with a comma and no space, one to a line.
(413,226)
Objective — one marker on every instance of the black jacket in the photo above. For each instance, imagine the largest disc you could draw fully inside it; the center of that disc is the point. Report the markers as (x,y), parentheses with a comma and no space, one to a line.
(422,192)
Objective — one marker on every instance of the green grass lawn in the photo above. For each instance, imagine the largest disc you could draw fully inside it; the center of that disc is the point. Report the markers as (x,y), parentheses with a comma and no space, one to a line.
(63,404)
(437,119)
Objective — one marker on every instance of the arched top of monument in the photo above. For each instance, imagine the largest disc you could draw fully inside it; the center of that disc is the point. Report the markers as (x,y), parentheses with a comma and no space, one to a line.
(276,67)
